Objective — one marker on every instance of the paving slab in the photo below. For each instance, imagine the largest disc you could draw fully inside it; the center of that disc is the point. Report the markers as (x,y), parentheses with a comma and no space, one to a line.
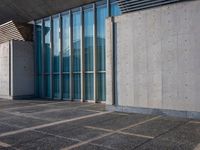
(46,143)
(62,114)
(170,133)
(7,148)
(74,132)
(91,147)
(157,126)
(117,121)
(22,138)
(96,107)
(119,141)
(25,122)
(4,115)
(188,134)
(158,144)
(49,107)
(6,128)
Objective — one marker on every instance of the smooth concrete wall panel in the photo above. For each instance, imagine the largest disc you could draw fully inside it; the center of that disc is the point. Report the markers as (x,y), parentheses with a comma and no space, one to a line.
(109,64)
(158,57)
(154,73)
(4,69)
(23,69)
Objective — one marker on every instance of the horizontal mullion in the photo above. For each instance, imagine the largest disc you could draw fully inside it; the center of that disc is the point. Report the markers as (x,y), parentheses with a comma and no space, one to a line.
(65,72)
(89,72)
(101,71)
(56,73)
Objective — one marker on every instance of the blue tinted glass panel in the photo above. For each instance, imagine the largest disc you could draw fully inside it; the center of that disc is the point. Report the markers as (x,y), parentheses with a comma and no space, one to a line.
(66,86)
(88,38)
(38,28)
(39,85)
(56,44)
(77,86)
(76,41)
(89,86)
(47,42)
(56,87)
(66,42)
(101,17)
(47,85)
(115,10)
(101,86)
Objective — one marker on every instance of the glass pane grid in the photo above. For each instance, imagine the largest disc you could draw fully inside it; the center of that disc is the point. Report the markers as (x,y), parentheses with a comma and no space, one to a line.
(88,35)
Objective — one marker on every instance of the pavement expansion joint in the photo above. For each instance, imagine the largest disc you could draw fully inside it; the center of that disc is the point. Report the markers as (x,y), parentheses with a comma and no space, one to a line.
(51,124)
(120,132)
(24,115)
(96,128)
(59,136)
(5,145)
(34,105)
(108,134)
(195,122)
(137,135)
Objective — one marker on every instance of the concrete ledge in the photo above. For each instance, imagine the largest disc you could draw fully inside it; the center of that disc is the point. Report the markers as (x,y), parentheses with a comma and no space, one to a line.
(23,97)
(163,112)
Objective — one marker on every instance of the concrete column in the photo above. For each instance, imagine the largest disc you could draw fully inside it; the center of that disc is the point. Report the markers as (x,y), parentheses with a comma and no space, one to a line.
(109,62)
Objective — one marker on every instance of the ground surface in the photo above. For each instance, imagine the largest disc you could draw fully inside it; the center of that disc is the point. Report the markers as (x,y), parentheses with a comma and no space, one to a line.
(52,125)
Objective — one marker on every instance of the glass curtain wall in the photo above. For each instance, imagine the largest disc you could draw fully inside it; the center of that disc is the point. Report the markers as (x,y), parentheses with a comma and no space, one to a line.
(102,13)
(47,58)
(56,57)
(115,10)
(66,54)
(38,34)
(89,51)
(76,39)
(59,43)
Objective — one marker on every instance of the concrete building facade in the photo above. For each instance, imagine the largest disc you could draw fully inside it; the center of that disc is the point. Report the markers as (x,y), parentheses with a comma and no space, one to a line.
(156,60)
(138,56)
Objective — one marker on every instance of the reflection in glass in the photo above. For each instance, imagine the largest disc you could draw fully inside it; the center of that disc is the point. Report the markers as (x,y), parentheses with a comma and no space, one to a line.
(101,16)
(56,88)
(76,18)
(88,38)
(66,42)
(101,66)
(101,86)
(66,55)
(66,86)
(47,43)
(76,41)
(47,84)
(115,10)
(89,48)
(38,29)
(77,86)
(56,44)
(89,86)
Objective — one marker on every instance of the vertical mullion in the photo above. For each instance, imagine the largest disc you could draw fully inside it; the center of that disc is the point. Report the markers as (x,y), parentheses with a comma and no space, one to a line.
(94,53)
(51,57)
(108,8)
(61,56)
(36,75)
(43,60)
(82,56)
(71,56)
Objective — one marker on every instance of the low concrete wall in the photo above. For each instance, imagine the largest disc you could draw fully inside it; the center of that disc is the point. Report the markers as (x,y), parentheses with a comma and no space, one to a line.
(157,58)
(16,69)
(22,76)
(4,70)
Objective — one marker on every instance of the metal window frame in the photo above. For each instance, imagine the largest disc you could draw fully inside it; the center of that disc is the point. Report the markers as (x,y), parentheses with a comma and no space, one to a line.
(82,71)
